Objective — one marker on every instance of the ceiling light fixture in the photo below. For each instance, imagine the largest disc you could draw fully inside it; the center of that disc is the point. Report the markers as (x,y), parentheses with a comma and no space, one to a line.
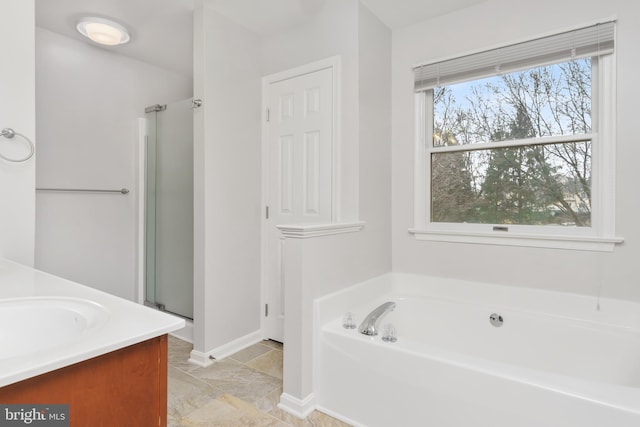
(103,31)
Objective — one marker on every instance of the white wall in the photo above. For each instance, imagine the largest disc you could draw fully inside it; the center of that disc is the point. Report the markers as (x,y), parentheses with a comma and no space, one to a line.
(332,31)
(88,100)
(229,64)
(227,182)
(17,111)
(485,25)
(374,144)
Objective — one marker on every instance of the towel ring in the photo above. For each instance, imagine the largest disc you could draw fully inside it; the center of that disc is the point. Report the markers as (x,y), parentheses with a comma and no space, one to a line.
(10,133)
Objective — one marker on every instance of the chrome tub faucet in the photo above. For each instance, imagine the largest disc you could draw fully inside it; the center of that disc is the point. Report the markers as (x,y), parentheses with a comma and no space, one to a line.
(370,324)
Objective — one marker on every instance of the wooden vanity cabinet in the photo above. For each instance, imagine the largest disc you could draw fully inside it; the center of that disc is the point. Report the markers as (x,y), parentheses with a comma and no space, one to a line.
(127,387)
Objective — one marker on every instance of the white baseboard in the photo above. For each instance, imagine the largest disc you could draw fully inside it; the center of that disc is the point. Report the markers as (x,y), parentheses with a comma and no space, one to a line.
(199,358)
(338,416)
(294,406)
(204,359)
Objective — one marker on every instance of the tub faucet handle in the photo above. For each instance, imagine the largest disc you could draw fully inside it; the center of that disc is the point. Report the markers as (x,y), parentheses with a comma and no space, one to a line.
(389,334)
(348,321)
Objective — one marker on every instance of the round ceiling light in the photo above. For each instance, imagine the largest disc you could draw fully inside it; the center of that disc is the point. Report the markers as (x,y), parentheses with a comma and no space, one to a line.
(103,31)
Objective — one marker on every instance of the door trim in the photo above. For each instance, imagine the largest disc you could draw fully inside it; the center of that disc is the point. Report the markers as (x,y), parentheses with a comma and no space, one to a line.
(141,214)
(333,63)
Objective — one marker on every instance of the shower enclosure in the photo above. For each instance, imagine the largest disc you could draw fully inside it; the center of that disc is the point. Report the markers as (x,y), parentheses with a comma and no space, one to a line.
(169,208)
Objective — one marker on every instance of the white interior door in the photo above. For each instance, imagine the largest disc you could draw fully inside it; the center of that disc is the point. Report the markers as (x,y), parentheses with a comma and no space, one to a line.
(299,171)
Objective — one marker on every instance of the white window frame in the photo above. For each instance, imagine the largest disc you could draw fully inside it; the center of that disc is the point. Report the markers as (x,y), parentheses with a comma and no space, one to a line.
(599,237)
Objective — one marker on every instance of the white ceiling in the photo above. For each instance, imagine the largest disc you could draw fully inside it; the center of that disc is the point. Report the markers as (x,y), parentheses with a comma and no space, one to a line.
(162,30)
(401,13)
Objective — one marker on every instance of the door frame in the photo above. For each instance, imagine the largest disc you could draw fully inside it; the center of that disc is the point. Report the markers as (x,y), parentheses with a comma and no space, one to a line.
(333,63)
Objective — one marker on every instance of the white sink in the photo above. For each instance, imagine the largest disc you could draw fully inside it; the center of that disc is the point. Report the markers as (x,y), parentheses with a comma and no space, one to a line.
(34,325)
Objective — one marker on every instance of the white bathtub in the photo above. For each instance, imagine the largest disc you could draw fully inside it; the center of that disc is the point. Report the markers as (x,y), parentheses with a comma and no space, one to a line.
(558,360)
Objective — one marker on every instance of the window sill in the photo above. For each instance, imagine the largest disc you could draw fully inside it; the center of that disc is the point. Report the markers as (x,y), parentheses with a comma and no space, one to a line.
(306,231)
(578,243)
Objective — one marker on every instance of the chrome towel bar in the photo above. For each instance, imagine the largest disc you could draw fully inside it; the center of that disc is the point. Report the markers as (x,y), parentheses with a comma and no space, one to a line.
(84,190)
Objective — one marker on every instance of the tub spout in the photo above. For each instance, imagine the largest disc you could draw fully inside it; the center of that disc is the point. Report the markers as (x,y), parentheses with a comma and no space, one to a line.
(370,324)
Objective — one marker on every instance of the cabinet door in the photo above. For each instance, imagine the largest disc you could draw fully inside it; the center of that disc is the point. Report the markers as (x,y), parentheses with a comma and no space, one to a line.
(127,387)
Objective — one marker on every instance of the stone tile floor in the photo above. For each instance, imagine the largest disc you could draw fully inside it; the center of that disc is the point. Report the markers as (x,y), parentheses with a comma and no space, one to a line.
(241,390)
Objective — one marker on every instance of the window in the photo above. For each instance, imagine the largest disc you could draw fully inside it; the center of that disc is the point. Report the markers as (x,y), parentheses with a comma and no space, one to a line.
(516,145)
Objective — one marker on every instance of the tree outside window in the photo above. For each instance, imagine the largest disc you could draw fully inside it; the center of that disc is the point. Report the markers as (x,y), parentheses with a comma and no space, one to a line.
(540,173)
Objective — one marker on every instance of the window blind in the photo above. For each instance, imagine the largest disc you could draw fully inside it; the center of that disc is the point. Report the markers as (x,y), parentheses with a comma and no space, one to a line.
(585,42)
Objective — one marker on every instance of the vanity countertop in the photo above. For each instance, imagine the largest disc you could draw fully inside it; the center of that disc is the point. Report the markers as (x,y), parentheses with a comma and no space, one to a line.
(119,323)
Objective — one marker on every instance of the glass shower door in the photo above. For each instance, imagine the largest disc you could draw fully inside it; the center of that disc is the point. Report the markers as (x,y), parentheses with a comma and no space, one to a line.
(169,208)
